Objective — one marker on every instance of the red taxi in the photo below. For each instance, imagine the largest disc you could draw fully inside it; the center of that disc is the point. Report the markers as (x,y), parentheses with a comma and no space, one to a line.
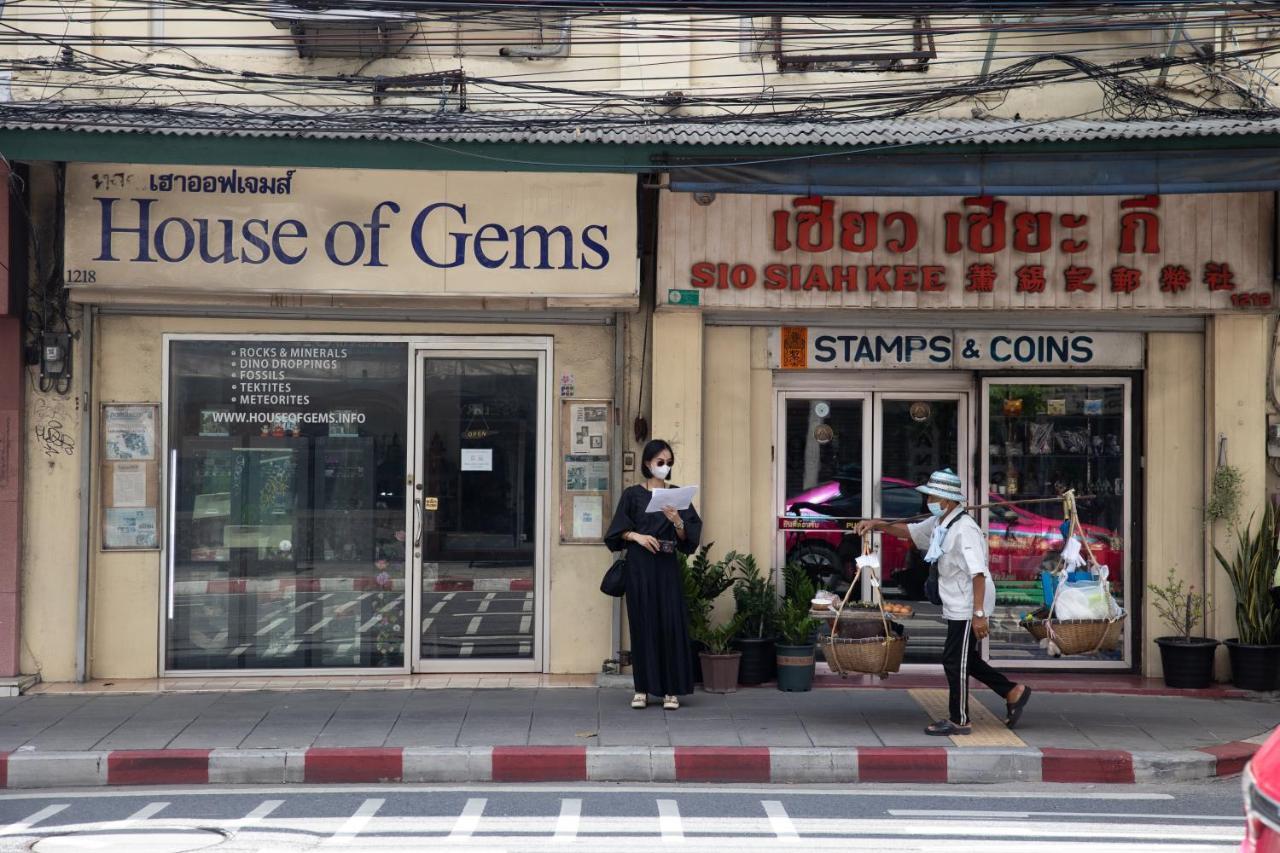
(1261,782)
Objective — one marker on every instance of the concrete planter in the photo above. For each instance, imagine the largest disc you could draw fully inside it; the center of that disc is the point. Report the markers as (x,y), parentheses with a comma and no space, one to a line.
(720,672)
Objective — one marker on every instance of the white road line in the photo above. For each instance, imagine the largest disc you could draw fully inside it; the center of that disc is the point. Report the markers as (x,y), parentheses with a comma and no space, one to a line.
(669,820)
(483,606)
(269,626)
(255,816)
(1026,815)
(366,626)
(353,825)
(473,625)
(32,819)
(395,602)
(437,607)
(145,813)
(465,650)
(469,820)
(525,623)
(527,607)
(237,651)
(780,820)
(570,817)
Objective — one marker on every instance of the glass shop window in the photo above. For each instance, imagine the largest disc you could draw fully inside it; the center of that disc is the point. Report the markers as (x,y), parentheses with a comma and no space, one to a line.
(1043,439)
(288,507)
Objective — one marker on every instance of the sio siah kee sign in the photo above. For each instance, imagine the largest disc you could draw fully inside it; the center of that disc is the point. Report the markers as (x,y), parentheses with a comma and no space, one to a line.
(1200,253)
(805,348)
(350,231)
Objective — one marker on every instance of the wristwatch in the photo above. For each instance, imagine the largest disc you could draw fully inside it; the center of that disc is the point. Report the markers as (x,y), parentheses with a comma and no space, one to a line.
(979,614)
(679,525)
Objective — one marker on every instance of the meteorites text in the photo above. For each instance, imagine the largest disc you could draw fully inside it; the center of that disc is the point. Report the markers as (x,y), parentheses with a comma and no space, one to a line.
(141,236)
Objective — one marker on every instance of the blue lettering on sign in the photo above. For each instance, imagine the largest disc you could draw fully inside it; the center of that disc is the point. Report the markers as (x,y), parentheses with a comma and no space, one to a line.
(1042,349)
(129,232)
(1082,349)
(824,351)
(882,349)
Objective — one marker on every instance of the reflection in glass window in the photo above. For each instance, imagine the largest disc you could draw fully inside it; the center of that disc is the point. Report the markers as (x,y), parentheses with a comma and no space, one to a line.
(289,508)
(1044,439)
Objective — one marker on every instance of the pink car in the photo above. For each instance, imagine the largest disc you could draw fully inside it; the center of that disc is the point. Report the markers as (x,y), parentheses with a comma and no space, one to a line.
(1261,783)
(1020,542)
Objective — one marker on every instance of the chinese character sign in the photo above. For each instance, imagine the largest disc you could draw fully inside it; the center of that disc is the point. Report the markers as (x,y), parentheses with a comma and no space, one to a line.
(1199,253)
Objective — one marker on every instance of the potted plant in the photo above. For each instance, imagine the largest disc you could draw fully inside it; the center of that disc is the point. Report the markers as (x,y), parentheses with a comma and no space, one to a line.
(703,582)
(756,609)
(1187,660)
(720,661)
(1255,651)
(796,631)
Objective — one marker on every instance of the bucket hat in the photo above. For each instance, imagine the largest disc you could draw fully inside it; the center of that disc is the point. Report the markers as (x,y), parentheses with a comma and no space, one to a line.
(943,484)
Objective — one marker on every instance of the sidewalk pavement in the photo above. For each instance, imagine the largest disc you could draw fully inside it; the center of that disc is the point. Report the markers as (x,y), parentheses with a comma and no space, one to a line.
(451,734)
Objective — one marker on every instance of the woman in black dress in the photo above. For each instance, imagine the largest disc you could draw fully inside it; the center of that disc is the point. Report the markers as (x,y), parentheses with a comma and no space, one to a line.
(661,659)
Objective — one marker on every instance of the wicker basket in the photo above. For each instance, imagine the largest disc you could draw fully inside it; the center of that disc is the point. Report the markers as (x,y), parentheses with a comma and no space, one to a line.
(878,655)
(1078,636)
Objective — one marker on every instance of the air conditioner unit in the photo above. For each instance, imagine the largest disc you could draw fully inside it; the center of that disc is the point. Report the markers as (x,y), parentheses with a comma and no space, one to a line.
(351,33)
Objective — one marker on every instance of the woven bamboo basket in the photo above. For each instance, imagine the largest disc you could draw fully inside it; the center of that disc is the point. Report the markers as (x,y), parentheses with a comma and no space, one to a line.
(865,656)
(1078,636)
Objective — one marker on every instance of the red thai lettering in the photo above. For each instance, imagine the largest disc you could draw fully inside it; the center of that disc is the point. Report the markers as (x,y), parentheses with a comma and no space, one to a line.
(1140,217)
(1072,221)
(910,231)
(859,232)
(1033,232)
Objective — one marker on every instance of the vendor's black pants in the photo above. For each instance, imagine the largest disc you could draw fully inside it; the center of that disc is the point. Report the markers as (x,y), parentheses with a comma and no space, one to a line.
(962,658)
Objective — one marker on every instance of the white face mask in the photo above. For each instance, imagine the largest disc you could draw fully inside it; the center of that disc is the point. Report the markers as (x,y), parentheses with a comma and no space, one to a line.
(662,472)
(935,509)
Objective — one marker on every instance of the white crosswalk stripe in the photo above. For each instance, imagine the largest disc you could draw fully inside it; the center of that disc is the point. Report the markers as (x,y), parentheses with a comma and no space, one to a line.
(19,827)
(780,820)
(570,818)
(669,823)
(469,820)
(355,824)
(144,814)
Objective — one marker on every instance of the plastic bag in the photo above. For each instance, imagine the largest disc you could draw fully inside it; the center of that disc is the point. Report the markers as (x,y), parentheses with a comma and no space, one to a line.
(1089,599)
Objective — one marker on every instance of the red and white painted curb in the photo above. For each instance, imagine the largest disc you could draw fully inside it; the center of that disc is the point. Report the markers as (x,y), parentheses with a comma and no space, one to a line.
(816,765)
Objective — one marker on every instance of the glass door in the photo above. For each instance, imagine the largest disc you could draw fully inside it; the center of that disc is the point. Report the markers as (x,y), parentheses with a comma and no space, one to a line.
(848,456)
(479,523)
(1043,437)
(915,435)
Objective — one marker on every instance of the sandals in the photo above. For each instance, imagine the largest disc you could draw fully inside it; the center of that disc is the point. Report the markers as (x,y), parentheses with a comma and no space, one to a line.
(946,728)
(639,700)
(1015,708)
(670,703)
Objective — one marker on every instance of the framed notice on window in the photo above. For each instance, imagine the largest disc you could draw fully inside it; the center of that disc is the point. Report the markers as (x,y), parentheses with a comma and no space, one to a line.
(129,477)
(585,474)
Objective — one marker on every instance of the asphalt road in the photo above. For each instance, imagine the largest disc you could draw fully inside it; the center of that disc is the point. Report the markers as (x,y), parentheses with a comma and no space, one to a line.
(1186,817)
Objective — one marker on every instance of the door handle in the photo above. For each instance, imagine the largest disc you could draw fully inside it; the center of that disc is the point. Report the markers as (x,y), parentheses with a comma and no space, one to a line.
(417,524)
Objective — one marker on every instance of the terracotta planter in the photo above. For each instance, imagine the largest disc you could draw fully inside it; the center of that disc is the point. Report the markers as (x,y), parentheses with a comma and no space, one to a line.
(1187,664)
(720,672)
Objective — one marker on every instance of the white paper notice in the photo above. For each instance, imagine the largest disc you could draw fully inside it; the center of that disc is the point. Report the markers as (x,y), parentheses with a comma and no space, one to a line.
(477,460)
(679,498)
(129,484)
(588,517)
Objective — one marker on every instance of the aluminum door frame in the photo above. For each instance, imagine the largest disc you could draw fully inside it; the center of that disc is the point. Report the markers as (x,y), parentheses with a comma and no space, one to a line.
(539,348)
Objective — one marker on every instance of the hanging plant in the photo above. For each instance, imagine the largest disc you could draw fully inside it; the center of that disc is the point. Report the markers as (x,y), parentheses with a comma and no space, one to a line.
(1224,495)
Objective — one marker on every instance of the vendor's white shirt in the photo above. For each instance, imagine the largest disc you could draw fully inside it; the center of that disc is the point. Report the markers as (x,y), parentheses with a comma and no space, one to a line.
(964,554)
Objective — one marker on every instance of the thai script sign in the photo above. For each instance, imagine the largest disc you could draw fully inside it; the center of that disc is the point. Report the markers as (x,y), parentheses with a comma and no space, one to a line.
(1203,252)
(807,348)
(350,231)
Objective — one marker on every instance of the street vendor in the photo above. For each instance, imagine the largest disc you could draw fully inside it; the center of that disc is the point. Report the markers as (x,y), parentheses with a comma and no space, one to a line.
(954,543)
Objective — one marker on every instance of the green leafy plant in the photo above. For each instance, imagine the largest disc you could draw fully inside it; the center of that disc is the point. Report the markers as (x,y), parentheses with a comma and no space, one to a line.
(1224,495)
(1181,608)
(704,581)
(1250,570)
(795,626)
(755,600)
(719,640)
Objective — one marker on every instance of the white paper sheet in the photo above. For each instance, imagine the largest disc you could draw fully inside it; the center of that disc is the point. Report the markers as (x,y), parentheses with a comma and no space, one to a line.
(129,484)
(680,498)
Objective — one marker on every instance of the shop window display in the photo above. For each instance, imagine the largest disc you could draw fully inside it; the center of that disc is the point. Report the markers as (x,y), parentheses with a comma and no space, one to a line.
(1042,440)
(287,464)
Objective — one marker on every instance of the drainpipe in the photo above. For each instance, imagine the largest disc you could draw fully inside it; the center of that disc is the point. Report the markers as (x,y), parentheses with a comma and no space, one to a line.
(559,47)
(86,494)
(615,473)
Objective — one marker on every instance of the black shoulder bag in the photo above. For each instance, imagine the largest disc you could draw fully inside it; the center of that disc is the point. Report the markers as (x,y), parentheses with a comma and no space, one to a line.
(931,590)
(615,578)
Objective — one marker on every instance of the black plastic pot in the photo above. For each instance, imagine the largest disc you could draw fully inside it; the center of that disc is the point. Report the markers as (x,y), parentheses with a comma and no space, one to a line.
(795,667)
(759,660)
(1187,664)
(1254,667)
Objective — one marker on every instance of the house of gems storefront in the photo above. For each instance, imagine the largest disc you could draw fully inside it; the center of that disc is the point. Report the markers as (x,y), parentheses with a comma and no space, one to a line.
(342,419)
(844,348)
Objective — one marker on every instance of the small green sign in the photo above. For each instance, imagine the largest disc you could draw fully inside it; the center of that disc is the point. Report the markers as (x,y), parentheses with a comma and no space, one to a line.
(682,297)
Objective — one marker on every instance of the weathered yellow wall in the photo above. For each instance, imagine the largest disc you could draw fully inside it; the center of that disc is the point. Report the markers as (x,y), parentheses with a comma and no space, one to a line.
(126,587)
(1238,349)
(1172,518)
(51,494)
(677,390)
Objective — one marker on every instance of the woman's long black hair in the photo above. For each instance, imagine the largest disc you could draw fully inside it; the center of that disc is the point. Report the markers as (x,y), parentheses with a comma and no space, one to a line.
(652,449)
